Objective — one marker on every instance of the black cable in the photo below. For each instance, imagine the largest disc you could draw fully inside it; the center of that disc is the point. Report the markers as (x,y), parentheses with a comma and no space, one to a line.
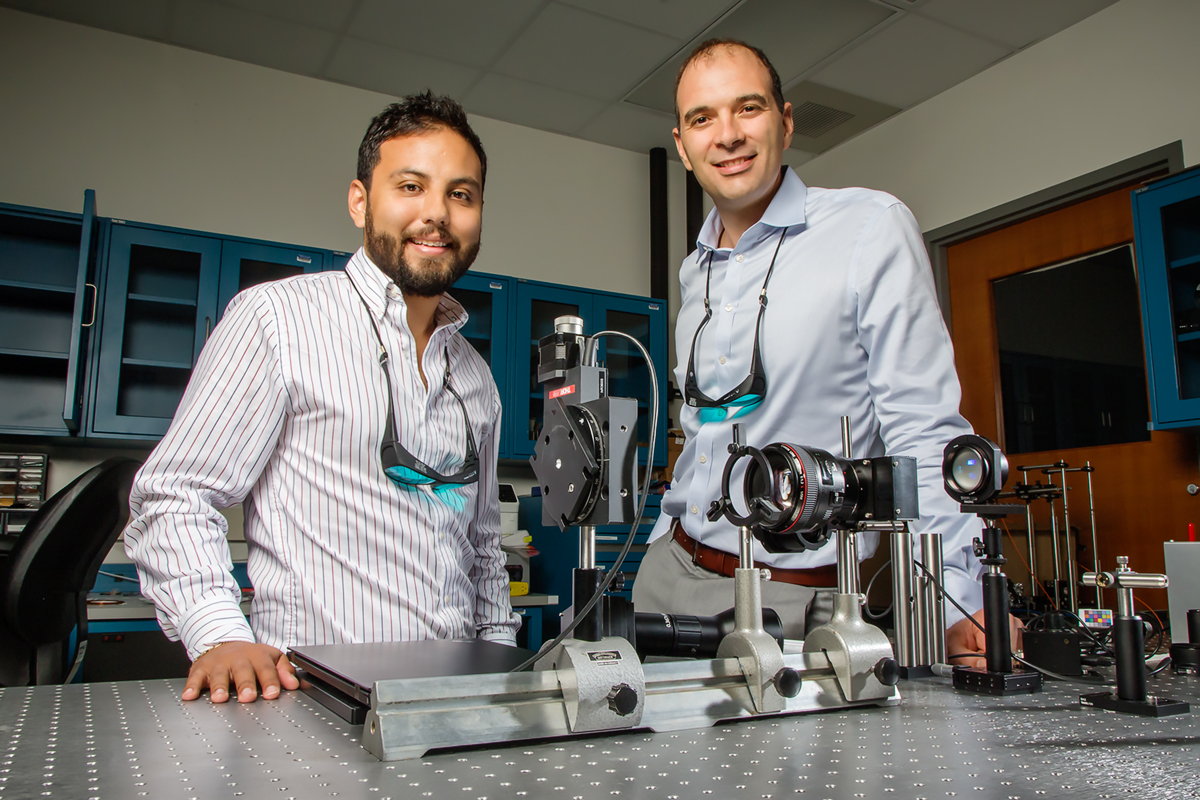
(1160,667)
(867,594)
(975,622)
(637,517)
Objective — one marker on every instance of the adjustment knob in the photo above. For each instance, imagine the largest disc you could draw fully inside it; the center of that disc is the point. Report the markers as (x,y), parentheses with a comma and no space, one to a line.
(618,582)
(787,682)
(977,548)
(887,671)
(622,700)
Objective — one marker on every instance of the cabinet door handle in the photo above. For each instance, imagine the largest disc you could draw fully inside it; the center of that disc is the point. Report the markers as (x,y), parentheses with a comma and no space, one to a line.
(95,293)
(207,328)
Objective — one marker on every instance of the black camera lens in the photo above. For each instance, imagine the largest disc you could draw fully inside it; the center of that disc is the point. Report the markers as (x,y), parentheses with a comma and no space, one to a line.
(973,469)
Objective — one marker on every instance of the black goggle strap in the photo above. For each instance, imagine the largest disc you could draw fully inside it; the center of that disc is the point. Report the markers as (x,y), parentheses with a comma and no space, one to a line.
(392,450)
(756,381)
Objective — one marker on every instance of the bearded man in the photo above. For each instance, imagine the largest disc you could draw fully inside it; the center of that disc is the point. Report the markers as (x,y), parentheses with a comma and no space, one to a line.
(357,427)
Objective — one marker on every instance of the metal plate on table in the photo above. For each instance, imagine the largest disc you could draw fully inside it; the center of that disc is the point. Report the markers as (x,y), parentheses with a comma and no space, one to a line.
(138,739)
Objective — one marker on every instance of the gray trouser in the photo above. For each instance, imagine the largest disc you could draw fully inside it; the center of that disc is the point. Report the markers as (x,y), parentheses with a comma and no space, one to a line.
(668,582)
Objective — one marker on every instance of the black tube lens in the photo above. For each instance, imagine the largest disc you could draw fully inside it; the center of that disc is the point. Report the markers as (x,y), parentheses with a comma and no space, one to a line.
(686,636)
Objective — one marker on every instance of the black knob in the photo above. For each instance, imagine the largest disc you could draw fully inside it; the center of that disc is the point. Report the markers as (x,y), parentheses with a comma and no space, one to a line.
(887,671)
(622,700)
(618,582)
(787,682)
(977,548)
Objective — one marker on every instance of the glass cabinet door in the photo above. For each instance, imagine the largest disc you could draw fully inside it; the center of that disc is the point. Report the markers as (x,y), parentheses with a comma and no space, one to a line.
(628,374)
(159,307)
(1167,234)
(244,264)
(44,263)
(537,308)
(486,300)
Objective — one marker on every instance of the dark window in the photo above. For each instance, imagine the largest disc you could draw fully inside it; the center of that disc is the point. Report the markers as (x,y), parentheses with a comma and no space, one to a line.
(1072,365)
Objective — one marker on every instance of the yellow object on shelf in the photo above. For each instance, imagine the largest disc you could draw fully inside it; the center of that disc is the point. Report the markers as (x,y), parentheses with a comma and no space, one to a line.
(517,588)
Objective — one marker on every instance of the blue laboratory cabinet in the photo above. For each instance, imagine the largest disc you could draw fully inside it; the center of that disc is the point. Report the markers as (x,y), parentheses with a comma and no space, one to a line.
(164,291)
(537,306)
(102,320)
(487,300)
(47,309)
(1167,237)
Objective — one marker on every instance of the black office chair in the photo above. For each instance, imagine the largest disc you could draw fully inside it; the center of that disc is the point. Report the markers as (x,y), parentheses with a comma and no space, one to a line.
(47,575)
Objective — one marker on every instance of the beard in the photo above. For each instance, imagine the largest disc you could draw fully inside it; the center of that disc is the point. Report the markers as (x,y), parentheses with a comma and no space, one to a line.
(425,277)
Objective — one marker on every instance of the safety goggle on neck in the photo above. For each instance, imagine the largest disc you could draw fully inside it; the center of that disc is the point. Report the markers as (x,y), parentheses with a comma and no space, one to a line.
(402,467)
(746,396)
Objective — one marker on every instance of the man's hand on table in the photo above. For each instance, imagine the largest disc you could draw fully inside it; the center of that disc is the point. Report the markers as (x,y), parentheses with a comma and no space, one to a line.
(247,665)
(963,637)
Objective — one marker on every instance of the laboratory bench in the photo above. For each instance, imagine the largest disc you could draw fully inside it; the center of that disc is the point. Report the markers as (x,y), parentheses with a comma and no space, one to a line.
(138,739)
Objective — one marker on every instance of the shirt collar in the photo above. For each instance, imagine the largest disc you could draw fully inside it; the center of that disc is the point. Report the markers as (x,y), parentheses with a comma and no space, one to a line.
(377,289)
(785,211)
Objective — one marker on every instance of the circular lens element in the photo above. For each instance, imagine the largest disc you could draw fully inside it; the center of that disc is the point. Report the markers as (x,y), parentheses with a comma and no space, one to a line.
(967,470)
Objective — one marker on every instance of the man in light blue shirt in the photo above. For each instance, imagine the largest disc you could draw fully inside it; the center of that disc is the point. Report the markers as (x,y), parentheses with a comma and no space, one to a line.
(851,327)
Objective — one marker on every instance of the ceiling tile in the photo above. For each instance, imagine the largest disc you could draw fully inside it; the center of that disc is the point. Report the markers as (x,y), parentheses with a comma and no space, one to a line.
(577,51)
(368,65)
(250,36)
(908,62)
(329,15)
(145,18)
(682,19)
(471,32)
(632,128)
(526,104)
(1018,23)
(795,35)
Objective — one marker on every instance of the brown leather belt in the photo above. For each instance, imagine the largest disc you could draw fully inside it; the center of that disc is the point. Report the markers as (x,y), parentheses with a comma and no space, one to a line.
(723,563)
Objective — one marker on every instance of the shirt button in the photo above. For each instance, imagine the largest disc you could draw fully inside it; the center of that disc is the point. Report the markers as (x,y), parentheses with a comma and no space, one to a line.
(695,510)
(740,258)
(703,459)
(729,307)
(721,359)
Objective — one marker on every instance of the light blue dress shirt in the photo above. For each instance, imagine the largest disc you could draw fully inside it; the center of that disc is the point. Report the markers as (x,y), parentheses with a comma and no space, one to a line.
(852,327)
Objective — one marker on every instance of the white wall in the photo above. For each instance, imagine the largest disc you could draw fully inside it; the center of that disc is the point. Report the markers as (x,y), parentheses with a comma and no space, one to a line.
(1121,82)
(175,137)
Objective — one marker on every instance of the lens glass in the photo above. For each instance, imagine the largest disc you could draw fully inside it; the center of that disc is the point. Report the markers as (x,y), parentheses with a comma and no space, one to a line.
(967,470)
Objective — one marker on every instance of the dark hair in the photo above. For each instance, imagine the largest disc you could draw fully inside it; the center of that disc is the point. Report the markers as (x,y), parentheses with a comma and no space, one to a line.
(416,113)
(708,48)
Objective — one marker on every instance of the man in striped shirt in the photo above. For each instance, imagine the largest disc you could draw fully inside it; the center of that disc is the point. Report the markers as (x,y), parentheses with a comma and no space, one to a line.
(357,427)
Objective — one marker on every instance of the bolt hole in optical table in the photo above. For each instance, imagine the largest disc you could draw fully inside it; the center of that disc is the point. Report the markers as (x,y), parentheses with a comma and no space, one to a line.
(137,739)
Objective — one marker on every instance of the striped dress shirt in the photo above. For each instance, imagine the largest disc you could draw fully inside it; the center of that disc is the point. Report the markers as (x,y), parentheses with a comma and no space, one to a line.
(285,413)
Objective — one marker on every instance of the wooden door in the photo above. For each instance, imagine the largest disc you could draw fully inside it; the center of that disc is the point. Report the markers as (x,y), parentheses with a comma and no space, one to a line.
(1140,488)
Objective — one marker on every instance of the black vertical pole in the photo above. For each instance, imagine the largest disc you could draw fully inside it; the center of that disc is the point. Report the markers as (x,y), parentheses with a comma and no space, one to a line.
(695,210)
(658,222)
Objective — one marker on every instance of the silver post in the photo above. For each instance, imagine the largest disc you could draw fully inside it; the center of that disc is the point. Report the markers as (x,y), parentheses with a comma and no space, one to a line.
(747,587)
(1054,539)
(848,578)
(934,606)
(1032,541)
(847,541)
(587,546)
(1072,568)
(902,596)
(1095,551)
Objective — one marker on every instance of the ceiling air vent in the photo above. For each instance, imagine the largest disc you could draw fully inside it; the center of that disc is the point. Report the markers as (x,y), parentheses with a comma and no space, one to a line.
(813,119)
(825,117)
